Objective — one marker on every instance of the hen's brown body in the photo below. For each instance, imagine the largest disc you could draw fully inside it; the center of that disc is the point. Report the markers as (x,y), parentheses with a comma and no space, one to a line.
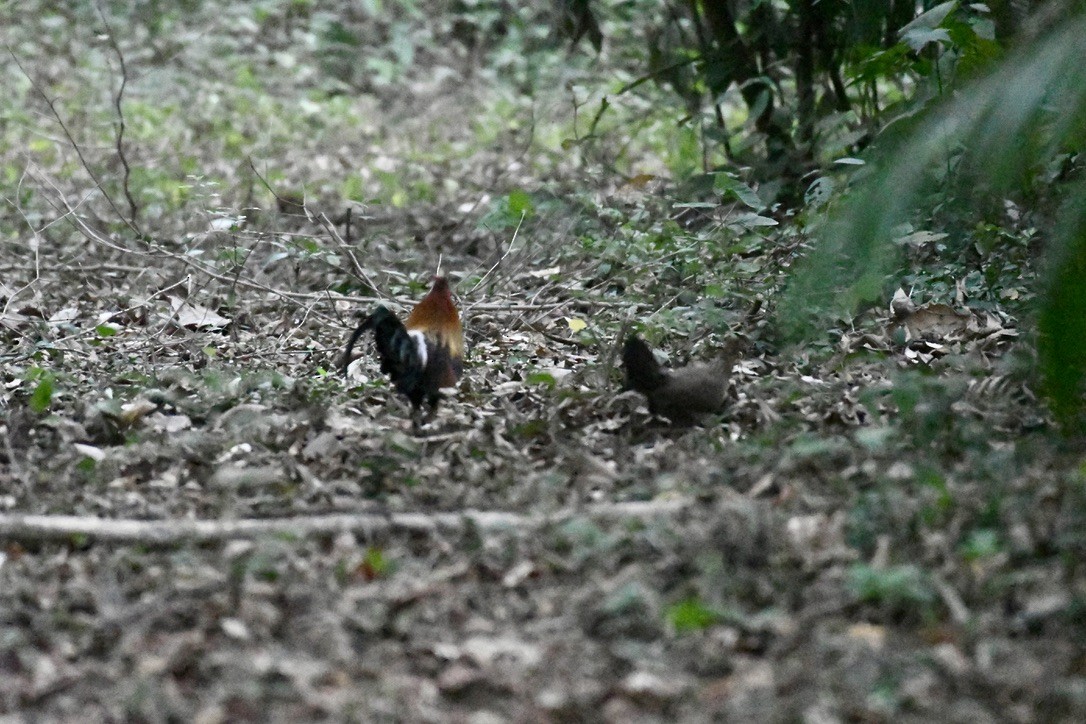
(685,395)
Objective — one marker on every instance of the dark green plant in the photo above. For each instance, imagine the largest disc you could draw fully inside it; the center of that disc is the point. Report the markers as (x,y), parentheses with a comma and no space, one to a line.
(692,614)
(900,590)
(816,77)
(993,138)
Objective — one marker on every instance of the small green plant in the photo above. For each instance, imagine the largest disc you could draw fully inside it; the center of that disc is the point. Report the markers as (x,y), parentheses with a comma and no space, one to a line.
(542,379)
(980,544)
(508,212)
(375,564)
(925,406)
(44,386)
(691,614)
(579,540)
(903,589)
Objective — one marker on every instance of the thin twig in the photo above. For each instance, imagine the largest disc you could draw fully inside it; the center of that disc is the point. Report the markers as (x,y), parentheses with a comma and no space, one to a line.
(189,261)
(132,207)
(268,186)
(344,247)
(75,146)
(612,352)
(81,226)
(508,251)
(120,313)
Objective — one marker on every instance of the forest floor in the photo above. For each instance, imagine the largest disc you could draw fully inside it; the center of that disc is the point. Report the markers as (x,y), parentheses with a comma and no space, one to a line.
(882,526)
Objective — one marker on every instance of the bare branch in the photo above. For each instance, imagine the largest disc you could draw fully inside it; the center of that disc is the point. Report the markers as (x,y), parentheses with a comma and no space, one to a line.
(75,146)
(502,258)
(133,209)
(359,270)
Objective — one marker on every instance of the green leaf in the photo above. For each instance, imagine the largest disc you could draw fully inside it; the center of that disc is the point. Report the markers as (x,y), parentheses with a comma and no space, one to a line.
(897,586)
(376,563)
(981,543)
(691,615)
(508,212)
(725,184)
(819,192)
(917,39)
(42,396)
(874,438)
(1062,322)
(920,28)
(520,203)
(546,379)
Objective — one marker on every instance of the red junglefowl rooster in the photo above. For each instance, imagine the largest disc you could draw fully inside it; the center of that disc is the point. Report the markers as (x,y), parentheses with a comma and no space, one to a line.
(684,395)
(425,353)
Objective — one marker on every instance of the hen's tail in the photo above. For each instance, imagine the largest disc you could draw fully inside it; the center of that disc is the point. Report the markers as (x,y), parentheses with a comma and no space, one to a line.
(643,372)
(402,356)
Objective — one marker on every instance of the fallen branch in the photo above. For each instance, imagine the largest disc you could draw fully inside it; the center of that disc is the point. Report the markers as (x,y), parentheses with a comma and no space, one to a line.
(171,532)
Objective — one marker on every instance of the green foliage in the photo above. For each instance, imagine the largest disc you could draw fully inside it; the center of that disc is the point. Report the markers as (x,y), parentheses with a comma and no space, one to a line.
(1062,322)
(42,396)
(508,212)
(580,540)
(995,137)
(924,405)
(794,109)
(629,598)
(991,137)
(691,614)
(903,589)
(542,379)
(375,564)
(727,184)
(266,562)
(981,543)
(86,466)
(943,501)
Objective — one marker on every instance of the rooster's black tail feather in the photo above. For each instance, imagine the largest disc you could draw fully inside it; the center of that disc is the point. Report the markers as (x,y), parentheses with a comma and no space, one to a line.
(399,354)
